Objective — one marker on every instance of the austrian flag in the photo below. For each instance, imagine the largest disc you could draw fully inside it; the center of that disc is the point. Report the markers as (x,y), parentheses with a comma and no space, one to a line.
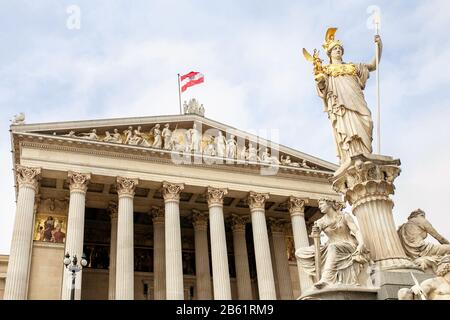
(191,79)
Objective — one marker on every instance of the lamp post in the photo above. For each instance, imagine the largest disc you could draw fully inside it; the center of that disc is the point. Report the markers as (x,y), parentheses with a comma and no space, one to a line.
(72,266)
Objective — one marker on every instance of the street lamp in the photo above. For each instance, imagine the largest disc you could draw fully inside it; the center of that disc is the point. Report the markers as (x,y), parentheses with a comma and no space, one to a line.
(74,268)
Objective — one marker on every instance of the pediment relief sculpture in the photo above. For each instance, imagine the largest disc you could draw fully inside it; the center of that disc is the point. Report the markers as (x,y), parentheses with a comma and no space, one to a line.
(192,137)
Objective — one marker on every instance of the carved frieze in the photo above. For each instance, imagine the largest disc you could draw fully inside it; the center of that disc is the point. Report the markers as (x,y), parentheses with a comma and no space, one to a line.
(224,146)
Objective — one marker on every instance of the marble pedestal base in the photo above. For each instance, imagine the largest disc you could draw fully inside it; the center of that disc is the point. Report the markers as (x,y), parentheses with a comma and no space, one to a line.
(389,282)
(342,292)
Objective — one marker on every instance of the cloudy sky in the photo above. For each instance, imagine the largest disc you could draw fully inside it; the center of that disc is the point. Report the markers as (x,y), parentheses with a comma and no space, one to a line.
(124,59)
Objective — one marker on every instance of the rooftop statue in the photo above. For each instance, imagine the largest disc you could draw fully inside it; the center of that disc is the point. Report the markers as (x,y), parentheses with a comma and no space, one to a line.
(194,107)
(341,85)
(18,119)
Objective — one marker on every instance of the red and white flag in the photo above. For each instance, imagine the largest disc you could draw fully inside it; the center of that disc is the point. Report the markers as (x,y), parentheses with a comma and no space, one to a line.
(191,79)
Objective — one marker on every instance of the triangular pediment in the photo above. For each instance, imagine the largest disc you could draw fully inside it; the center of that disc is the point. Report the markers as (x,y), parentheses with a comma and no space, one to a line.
(148,133)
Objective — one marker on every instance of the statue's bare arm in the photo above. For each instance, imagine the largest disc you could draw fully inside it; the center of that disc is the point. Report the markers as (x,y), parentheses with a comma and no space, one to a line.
(373,64)
(433,232)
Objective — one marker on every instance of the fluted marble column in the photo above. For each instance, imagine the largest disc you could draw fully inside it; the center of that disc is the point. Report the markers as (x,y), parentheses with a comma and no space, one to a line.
(274,265)
(297,211)
(174,262)
(78,184)
(202,272)
(281,259)
(125,239)
(19,257)
(266,284)
(159,254)
(219,255)
(112,208)
(367,181)
(243,280)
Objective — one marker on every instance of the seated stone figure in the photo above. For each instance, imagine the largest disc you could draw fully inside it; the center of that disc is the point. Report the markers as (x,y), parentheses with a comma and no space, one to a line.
(343,256)
(412,236)
(431,289)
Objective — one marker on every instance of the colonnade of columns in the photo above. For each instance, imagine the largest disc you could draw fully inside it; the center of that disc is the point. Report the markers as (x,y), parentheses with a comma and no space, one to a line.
(168,267)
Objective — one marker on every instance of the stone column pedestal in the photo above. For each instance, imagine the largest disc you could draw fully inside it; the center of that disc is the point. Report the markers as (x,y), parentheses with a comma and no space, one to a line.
(367,181)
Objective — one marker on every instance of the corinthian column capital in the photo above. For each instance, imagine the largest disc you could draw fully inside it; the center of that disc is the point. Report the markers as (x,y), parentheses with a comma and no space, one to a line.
(157,214)
(126,186)
(172,191)
(113,209)
(78,182)
(27,176)
(257,200)
(366,179)
(297,206)
(199,220)
(277,225)
(238,222)
(215,196)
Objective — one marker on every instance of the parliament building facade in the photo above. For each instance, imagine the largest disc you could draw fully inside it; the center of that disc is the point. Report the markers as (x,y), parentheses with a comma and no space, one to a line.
(163,207)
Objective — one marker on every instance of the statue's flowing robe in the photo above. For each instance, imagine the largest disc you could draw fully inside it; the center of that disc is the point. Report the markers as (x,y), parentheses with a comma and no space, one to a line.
(413,234)
(220,146)
(157,142)
(347,110)
(338,255)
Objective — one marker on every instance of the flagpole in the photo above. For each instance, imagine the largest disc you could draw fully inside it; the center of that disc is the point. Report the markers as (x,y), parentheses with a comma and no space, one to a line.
(377,21)
(179,93)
